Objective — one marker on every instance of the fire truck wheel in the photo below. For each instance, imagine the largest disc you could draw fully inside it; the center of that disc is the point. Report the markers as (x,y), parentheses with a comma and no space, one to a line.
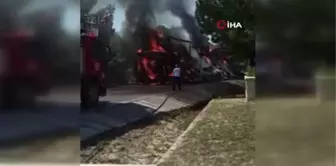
(93,94)
(90,96)
(24,96)
(17,96)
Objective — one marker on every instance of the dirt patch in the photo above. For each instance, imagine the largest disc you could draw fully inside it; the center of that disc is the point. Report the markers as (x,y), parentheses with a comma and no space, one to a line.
(223,137)
(143,145)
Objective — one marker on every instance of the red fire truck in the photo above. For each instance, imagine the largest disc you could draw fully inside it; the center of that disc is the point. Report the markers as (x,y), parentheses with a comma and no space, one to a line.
(93,67)
(24,73)
(95,54)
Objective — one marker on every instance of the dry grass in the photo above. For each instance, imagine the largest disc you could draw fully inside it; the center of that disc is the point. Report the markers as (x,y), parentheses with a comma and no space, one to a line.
(295,132)
(224,137)
(146,144)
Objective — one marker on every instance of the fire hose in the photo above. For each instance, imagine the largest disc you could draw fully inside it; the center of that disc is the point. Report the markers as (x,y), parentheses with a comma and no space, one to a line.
(100,146)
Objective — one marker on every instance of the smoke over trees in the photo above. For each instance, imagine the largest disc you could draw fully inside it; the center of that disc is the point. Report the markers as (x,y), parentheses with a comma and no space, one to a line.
(174,17)
(240,41)
(143,13)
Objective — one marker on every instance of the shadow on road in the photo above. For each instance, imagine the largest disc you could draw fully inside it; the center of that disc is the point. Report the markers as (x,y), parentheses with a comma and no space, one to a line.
(141,89)
(45,119)
(155,89)
(141,117)
(229,89)
(111,119)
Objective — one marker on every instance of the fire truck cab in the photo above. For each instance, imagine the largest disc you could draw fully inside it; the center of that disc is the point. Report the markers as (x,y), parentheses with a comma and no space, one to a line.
(93,66)
(23,75)
(95,55)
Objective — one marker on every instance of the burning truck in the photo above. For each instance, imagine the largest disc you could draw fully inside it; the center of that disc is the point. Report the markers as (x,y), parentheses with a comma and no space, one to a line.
(161,52)
(157,52)
(157,57)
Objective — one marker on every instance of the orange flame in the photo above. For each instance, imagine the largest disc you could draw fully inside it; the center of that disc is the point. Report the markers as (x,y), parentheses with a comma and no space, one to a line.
(150,73)
(155,45)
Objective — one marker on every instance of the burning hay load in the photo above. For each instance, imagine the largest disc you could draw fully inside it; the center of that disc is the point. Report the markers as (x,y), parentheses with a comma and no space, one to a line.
(161,52)
(159,48)
(153,46)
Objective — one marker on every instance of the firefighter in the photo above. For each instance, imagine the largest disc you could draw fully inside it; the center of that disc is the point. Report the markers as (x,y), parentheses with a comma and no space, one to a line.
(226,68)
(177,78)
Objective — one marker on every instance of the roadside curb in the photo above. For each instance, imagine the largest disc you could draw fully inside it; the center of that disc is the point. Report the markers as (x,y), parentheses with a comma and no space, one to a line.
(179,140)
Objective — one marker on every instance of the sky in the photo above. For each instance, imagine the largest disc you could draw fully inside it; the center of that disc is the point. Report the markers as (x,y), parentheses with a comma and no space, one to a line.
(118,18)
(118,15)
(70,18)
(166,18)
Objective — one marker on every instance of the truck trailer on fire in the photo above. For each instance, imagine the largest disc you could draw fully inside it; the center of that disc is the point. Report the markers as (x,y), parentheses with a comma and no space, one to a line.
(161,52)
(156,59)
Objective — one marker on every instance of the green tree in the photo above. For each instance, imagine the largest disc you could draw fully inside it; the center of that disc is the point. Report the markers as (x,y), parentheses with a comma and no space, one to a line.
(305,30)
(239,41)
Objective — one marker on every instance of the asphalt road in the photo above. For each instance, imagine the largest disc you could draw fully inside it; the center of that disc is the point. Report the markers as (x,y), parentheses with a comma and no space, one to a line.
(60,109)
(25,133)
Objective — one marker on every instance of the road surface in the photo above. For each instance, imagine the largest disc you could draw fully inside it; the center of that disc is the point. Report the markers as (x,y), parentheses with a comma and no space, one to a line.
(59,112)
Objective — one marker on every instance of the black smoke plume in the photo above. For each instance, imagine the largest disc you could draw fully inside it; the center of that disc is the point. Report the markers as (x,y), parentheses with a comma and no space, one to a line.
(45,20)
(139,14)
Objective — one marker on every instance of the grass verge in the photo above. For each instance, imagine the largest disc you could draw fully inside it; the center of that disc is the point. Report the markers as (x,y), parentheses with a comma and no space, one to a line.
(146,143)
(295,131)
(223,137)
